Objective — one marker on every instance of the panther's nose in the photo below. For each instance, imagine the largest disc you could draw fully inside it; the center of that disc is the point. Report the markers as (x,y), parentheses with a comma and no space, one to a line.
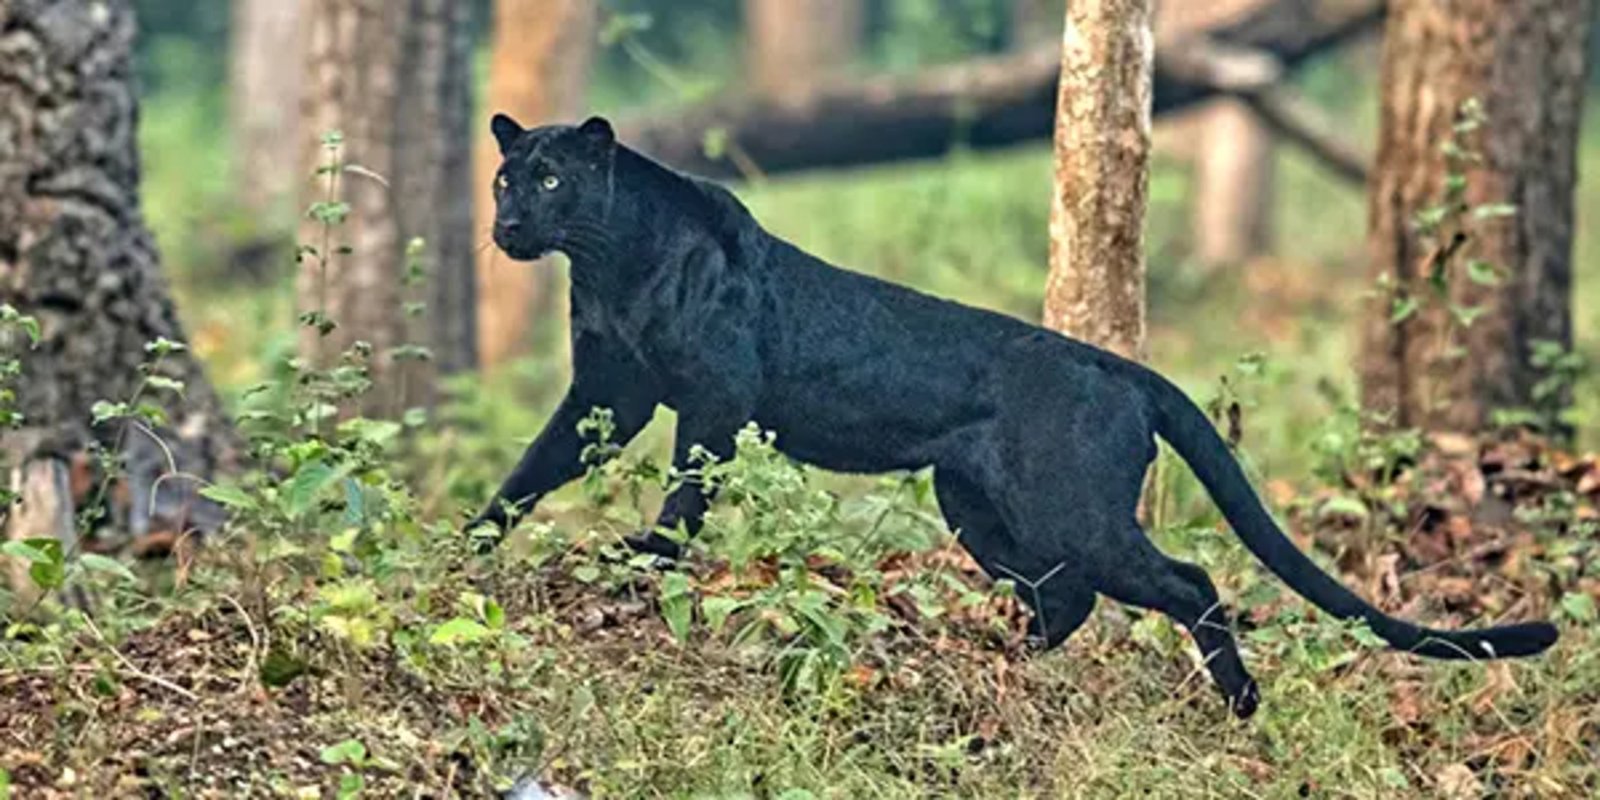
(507,228)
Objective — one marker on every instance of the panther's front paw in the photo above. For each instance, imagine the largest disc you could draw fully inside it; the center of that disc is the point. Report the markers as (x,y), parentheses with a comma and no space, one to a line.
(654,544)
(485,533)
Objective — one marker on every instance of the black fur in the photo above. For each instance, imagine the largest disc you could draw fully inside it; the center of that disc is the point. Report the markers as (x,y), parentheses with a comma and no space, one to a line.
(1039,443)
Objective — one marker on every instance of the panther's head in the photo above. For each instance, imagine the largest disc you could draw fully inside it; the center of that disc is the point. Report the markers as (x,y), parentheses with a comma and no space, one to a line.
(553,181)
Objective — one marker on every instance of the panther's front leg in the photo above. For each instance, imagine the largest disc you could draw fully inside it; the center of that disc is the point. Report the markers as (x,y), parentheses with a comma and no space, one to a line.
(713,426)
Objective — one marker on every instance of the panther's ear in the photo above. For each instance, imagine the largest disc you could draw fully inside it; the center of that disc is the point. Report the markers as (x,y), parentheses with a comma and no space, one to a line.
(597,130)
(506,132)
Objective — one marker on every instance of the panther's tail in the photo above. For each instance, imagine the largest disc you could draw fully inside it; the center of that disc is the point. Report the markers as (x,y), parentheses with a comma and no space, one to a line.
(1186,428)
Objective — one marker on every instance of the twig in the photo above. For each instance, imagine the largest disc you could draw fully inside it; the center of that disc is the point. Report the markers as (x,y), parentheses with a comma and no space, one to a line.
(134,670)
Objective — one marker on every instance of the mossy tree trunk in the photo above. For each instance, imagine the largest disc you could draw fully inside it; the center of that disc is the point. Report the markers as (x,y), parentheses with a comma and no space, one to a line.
(1524,63)
(76,255)
(1095,290)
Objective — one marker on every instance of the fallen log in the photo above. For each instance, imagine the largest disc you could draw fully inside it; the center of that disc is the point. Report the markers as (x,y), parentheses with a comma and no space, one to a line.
(983,103)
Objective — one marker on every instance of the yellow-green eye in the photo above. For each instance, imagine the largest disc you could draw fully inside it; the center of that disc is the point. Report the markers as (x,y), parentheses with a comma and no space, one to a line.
(550,182)
(501,182)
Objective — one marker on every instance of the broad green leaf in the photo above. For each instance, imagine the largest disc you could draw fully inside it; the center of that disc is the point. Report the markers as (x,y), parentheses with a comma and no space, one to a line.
(25,551)
(1579,606)
(349,751)
(457,631)
(230,496)
(307,486)
(718,609)
(110,566)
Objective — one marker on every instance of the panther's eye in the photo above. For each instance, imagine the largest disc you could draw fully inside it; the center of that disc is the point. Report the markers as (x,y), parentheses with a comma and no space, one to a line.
(550,183)
(501,182)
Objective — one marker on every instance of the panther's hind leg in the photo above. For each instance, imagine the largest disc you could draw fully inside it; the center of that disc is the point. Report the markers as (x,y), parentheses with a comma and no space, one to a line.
(1141,575)
(1056,593)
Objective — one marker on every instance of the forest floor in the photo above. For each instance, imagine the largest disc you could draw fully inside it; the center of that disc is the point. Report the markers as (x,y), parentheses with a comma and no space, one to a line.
(256,679)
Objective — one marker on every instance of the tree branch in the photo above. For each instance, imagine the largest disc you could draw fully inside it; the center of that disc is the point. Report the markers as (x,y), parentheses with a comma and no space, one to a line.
(983,103)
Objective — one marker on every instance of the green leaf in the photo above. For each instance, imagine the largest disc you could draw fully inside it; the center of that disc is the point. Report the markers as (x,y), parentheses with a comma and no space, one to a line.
(718,609)
(355,502)
(493,615)
(587,573)
(1482,272)
(47,560)
(677,604)
(307,485)
(458,631)
(163,383)
(230,496)
(351,785)
(1494,211)
(24,551)
(104,410)
(280,668)
(95,562)
(349,751)
(1579,606)
(1402,310)
(1342,506)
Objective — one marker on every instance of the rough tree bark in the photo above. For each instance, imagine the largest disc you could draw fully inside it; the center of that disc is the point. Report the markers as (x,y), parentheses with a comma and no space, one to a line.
(1525,63)
(1095,291)
(265,84)
(1231,196)
(433,176)
(983,103)
(791,44)
(75,254)
(538,73)
(390,77)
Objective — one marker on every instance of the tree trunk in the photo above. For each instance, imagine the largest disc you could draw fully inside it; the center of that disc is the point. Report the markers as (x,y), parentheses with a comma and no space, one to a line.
(1095,291)
(433,175)
(790,44)
(1525,63)
(982,103)
(76,255)
(265,83)
(1231,199)
(390,77)
(538,73)
(1230,204)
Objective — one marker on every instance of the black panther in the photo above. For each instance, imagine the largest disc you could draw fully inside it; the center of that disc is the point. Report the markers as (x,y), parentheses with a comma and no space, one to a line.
(1039,443)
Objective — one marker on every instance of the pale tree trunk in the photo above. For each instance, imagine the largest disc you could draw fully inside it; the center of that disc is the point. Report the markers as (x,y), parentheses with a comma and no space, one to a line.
(1095,291)
(264,85)
(538,73)
(1234,166)
(390,77)
(75,254)
(791,44)
(1525,63)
